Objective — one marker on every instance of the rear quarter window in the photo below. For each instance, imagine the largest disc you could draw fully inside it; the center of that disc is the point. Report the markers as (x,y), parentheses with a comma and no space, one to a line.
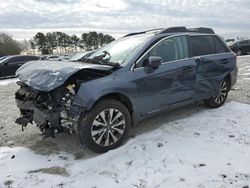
(202,45)
(219,46)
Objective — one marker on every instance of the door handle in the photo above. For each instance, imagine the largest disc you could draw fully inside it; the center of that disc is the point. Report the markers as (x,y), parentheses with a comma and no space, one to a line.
(224,61)
(187,69)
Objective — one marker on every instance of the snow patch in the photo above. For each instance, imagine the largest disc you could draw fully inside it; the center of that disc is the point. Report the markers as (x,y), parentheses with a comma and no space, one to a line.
(8,81)
(209,149)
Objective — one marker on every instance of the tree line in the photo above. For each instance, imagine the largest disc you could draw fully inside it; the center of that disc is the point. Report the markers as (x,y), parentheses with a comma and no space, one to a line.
(9,46)
(62,42)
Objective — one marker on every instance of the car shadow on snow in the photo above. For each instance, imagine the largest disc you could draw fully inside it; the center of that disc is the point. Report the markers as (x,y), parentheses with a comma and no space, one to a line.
(164,118)
(65,143)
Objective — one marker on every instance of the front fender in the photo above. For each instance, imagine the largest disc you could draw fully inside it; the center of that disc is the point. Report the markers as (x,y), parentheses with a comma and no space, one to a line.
(91,91)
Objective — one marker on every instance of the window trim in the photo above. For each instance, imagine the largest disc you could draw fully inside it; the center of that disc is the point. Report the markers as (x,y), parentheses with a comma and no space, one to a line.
(167,37)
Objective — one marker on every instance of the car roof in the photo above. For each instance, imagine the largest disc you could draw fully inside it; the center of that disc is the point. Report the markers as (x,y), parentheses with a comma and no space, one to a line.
(175,31)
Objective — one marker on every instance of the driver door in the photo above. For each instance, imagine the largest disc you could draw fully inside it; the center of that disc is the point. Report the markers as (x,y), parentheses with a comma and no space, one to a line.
(172,82)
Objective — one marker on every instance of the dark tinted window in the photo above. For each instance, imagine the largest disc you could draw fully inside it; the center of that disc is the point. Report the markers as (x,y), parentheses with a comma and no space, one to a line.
(219,46)
(244,42)
(201,45)
(30,58)
(16,59)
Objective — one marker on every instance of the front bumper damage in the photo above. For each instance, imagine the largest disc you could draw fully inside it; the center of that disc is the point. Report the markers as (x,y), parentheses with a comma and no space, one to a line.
(53,112)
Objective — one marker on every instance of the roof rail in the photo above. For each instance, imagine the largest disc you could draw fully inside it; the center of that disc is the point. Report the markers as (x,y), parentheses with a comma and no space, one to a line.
(202,30)
(137,33)
(184,29)
(175,30)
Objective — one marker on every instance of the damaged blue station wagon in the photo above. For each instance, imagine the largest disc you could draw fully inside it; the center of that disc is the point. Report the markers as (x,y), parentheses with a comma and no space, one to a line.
(122,83)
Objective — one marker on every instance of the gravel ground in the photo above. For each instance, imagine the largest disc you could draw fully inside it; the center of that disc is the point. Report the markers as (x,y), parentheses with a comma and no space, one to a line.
(11,134)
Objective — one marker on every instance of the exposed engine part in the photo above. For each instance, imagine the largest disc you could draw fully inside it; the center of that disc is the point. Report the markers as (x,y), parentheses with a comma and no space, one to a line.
(50,111)
(71,87)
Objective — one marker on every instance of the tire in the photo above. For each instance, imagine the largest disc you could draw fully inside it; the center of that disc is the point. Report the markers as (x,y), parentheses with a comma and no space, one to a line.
(105,126)
(239,52)
(219,100)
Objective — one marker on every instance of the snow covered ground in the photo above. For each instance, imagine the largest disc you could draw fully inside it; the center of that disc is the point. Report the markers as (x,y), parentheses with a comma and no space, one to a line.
(208,149)
(4,82)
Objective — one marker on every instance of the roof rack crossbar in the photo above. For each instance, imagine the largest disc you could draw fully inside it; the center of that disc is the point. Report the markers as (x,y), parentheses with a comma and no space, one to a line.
(137,33)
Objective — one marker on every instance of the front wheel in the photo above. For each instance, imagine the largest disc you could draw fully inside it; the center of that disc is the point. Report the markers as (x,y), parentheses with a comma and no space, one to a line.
(219,100)
(105,127)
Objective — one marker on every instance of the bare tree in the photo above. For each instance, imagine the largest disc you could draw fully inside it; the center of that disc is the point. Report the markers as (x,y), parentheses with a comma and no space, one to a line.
(9,46)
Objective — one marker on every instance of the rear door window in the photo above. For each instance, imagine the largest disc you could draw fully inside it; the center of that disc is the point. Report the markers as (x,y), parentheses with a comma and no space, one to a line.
(202,45)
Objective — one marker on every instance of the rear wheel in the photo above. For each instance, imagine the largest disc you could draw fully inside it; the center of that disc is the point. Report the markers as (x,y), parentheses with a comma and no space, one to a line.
(219,100)
(105,127)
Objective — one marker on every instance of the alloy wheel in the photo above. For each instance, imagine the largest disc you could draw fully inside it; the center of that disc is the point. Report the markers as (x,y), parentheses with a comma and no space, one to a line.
(223,93)
(108,127)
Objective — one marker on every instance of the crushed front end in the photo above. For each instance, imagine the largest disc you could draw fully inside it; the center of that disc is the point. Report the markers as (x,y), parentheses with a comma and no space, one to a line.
(51,111)
(48,92)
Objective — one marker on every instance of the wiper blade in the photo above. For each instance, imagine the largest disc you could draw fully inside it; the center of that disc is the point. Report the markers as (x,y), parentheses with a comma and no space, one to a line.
(102,62)
(100,57)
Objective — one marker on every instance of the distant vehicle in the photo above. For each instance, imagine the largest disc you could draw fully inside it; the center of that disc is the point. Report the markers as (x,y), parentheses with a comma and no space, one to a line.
(3,57)
(10,64)
(240,47)
(80,56)
(124,82)
(50,57)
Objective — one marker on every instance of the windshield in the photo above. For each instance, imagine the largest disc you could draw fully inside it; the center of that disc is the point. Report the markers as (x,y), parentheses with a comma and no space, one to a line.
(122,50)
(78,56)
(3,59)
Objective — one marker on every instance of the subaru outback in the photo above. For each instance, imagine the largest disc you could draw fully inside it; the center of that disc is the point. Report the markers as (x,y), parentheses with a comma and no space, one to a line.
(134,77)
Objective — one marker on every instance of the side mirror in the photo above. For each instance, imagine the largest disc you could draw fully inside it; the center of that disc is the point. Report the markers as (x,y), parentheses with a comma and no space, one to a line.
(152,63)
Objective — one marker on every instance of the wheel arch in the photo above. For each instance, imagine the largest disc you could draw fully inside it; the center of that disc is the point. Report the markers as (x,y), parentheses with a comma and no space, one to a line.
(119,97)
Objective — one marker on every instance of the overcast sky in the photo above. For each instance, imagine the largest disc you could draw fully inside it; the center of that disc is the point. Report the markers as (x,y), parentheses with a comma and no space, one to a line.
(24,18)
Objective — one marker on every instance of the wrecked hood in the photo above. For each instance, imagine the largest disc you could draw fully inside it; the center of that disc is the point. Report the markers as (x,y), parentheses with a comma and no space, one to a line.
(48,75)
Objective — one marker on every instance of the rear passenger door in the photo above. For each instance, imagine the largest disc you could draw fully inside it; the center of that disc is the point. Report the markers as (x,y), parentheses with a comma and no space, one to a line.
(214,62)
